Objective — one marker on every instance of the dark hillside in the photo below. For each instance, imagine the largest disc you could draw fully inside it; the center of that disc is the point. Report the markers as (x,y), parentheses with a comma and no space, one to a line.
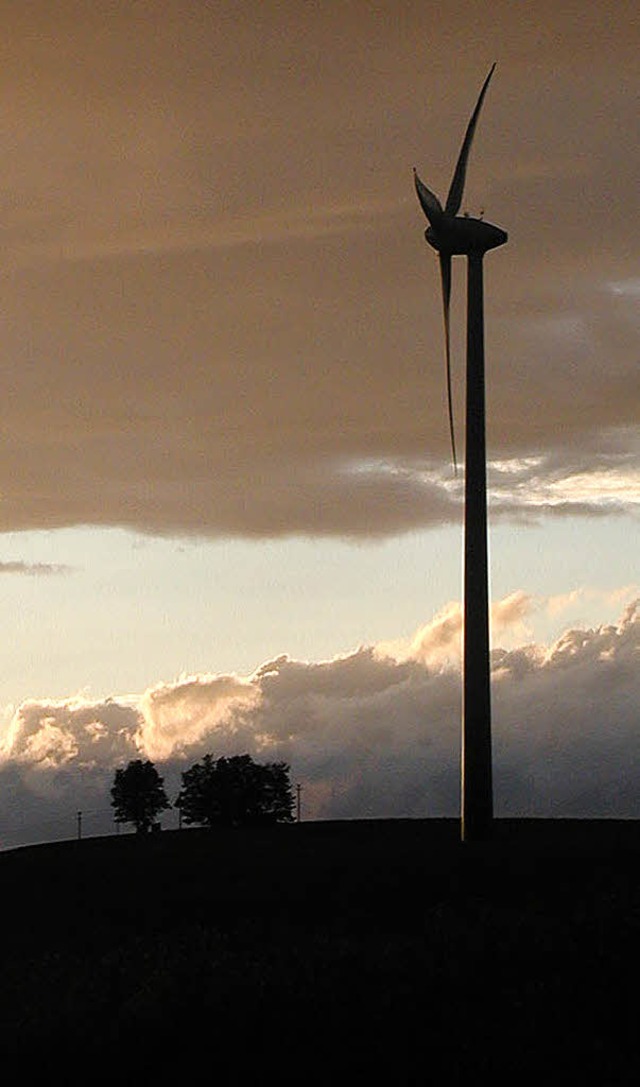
(327,949)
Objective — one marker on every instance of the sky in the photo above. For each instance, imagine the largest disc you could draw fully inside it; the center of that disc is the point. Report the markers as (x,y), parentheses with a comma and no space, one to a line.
(229,520)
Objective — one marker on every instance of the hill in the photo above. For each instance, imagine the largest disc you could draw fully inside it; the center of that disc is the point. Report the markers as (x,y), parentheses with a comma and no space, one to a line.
(327,950)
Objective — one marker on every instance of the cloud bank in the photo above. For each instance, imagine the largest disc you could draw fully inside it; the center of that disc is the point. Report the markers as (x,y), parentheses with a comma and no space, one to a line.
(220,317)
(368,734)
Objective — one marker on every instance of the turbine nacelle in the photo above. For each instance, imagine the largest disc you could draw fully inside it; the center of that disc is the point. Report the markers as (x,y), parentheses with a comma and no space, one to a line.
(464,236)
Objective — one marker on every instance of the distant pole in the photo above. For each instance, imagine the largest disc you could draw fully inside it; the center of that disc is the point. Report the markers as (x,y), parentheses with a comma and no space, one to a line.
(477,793)
(532,794)
(298,806)
(79,825)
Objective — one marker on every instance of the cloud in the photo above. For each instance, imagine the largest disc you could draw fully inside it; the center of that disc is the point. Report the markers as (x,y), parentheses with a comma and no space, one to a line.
(601,480)
(47,736)
(440,641)
(511,610)
(367,734)
(562,602)
(177,717)
(35,569)
(220,316)
(566,719)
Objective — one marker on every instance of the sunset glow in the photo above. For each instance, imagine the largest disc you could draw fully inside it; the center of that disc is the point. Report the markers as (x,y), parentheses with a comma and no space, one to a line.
(229,516)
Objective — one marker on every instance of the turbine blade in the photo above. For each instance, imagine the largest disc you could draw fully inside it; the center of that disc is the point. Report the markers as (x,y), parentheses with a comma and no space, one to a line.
(454,199)
(445,275)
(431,206)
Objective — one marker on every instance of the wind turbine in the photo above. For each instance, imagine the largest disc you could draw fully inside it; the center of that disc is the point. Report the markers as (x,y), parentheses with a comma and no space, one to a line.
(453,235)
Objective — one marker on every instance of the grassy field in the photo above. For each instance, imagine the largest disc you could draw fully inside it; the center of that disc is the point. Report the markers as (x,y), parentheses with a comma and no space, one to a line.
(342,950)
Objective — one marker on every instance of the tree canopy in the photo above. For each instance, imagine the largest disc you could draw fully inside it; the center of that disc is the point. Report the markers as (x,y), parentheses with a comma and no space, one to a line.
(236,791)
(138,795)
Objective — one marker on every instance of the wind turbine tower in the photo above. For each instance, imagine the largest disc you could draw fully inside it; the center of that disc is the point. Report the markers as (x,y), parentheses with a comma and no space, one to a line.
(452,235)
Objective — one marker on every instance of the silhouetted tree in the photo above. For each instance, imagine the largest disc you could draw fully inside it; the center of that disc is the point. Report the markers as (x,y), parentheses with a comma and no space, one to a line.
(236,791)
(138,795)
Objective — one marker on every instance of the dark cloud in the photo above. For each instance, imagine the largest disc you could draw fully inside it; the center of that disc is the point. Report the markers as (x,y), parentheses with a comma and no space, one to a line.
(34,569)
(368,734)
(219,313)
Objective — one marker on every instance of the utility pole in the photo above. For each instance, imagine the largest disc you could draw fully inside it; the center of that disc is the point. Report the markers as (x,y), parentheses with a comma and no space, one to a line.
(79,825)
(298,806)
